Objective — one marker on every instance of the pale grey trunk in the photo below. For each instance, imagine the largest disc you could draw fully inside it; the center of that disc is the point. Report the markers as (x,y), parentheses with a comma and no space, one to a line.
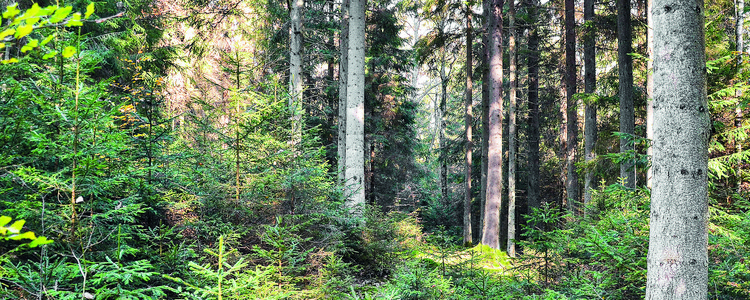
(295,70)
(590,129)
(571,180)
(677,254)
(485,116)
(355,105)
(343,67)
(441,130)
(491,226)
(650,91)
(512,131)
(625,65)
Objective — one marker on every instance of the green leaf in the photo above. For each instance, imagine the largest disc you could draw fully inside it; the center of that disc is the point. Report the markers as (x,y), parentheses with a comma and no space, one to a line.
(17,226)
(33,43)
(60,14)
(69,51)
(49,55)
(29,235)
(32,12)
(40,241)
(89,10)
(11,11)
(48,39)
(75,20)
(24,30)
(9,61)
(4,220)
(7,32)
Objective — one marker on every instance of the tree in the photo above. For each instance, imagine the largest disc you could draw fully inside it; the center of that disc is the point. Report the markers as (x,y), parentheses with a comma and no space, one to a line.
(533,197)
(491,226)
(678,238)
(625,65)
(343,70)
(590,130)
(512,130)
(295,69)
(571,179)
(650,90)
(469,118)
(355,106)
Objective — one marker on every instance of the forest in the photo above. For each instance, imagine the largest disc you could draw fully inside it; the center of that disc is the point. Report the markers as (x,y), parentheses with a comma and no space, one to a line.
(381,149)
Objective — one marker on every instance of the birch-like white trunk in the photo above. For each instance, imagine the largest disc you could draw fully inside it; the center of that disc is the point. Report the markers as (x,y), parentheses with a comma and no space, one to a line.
(295,70)
(678,239)
(343,67)
(512,131)
(355,106)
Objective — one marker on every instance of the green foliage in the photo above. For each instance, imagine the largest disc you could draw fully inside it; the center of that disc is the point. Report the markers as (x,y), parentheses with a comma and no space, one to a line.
(13,233)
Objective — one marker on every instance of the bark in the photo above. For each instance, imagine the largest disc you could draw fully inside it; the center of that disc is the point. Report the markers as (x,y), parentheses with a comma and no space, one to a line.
(295,70)
(571,180)
(512,130)
(491,231)
(485,115)
(343,67)
(469,118)
(738,109)
(625,65)
(678,238)
(533,102)
(441,127)
(355,108)
(650,91)
(590,127)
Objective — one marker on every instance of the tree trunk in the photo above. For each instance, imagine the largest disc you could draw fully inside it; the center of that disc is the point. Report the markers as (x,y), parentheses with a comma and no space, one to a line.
(343,67)
(469,118)
(443,161)
(491,231)
(485,116)
(678,238)
(512,131)
(650,91)
(590,132)
(355,105)
(533,102)
(571,180)
(738,109)
(295,70)
(625,65)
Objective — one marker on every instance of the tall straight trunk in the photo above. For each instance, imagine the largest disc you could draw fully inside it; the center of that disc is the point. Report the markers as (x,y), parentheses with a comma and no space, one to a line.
(469,118)
(491,231)
(485,114)
(533,102)
(650,91)
(590,129)
(295,69)
(571,180)
(740,49)
(443,161)
(625,65)
(343,67)
(355,105)
(512,130)
(678,237)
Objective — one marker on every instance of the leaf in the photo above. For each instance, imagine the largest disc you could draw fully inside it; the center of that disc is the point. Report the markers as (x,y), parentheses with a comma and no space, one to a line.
(49,55)
(17,226)
(7,32)
(48,39)
(75,20)
(9,61)
(24,30)
(29,235)
(60,14)
(69,51)
(11,11)
(89,10)
(40,241)
(32,12)
(33,43)
(4,220)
